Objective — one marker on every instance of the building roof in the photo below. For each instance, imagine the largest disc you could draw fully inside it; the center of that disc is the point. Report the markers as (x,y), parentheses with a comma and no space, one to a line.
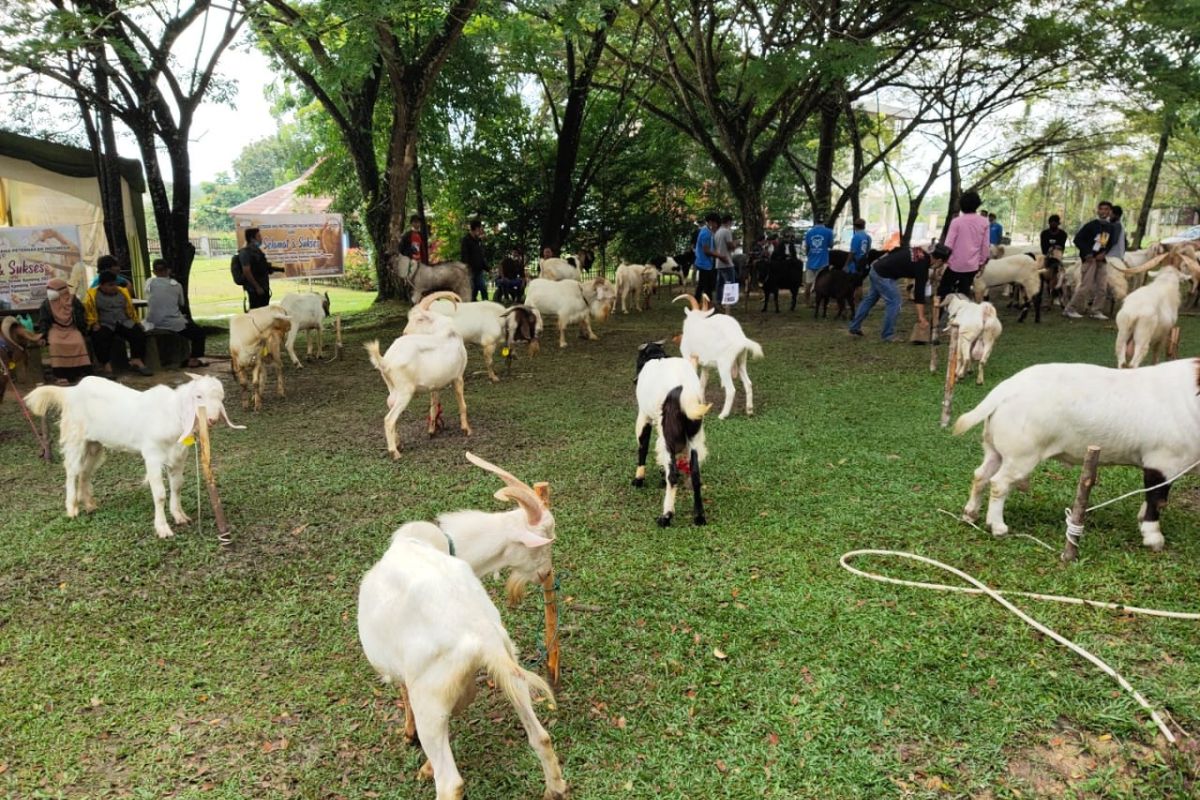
(285,199)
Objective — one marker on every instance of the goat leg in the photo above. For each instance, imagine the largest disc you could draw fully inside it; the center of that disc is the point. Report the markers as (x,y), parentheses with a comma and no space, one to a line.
(698,517)
(643,440)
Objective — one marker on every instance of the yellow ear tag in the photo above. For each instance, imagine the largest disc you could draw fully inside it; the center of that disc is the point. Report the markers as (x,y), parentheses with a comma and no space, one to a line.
(504,353)
(265,350)
(189,441)
(12,365)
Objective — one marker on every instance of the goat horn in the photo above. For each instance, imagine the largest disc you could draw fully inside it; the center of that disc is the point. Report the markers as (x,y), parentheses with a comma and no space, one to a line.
(705,302)
(504,475)
(524,497)
(6,330)
(428,299)
(1149,265)
(691,300)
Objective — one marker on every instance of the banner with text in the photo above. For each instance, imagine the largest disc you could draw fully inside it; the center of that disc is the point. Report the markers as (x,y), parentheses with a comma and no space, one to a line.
(305,245)
(29,257)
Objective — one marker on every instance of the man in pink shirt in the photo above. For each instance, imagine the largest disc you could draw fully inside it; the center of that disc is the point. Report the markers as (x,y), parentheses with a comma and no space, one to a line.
(969,249)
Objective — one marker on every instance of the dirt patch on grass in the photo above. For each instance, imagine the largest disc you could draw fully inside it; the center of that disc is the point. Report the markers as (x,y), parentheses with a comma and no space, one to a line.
(1071,763)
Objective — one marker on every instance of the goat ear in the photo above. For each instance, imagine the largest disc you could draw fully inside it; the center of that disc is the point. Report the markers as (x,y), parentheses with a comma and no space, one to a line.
(532,540)
(194,376)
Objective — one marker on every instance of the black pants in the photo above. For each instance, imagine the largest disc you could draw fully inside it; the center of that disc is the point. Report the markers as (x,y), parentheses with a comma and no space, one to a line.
(102,341)
(194,334)
(258,300)
(706,284)
(956,283)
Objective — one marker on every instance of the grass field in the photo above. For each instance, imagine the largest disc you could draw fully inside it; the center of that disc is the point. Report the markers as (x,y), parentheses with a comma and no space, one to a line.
(214,294)
(134,667)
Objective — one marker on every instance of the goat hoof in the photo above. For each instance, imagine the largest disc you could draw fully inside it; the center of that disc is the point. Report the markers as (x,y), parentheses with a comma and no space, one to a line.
(395,455)
(665,520)
(89,506)
(426,771)
(181,518)
(639,482)
(555,794)
(699,519)
(164,532)
(72,513)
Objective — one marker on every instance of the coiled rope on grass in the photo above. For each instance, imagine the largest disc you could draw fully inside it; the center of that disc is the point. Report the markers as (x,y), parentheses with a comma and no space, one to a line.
(979,588)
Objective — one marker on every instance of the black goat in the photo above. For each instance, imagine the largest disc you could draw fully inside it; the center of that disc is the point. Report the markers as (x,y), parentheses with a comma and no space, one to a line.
(781,273)
(836,284)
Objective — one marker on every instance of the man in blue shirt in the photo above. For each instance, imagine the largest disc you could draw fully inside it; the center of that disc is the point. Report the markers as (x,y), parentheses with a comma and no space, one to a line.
(817,243)
(706,274)
(860,245)
(995,230)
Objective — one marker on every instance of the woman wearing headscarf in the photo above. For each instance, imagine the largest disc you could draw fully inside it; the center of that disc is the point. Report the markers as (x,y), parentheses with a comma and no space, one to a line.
(63,322)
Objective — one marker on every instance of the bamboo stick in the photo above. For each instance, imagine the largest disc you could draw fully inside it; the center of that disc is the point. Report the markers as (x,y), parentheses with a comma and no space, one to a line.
(1087,481)
(209,479)
(951,375)
(550,597)
(1173,344)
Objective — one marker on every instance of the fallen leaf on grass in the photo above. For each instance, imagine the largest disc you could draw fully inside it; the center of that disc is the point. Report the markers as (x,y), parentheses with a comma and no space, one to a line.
(299,529)
(773,739)
(721,768)
(270,746)
(719,653)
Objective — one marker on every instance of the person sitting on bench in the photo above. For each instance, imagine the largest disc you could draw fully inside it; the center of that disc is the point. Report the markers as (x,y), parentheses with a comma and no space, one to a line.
(110,315)
(165,311)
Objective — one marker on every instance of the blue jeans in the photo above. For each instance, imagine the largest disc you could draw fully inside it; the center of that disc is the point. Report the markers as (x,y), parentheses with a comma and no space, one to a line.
(479,285)
(887,289)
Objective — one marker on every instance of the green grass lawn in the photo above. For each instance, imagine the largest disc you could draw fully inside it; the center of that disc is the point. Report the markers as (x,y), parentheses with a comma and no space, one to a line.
(134,667)
(214,294)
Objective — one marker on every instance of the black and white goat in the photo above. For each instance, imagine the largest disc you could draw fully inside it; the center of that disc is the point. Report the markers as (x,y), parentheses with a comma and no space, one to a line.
(670,400)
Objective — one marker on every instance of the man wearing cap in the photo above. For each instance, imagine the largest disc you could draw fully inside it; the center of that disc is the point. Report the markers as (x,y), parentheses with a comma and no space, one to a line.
(903,262)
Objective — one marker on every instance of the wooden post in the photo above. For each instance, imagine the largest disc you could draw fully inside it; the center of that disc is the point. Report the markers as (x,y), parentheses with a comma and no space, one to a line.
(951,374)
(550,596)
(337,337)
(1087,480)
(933,333)
(1173,344)
(210,480)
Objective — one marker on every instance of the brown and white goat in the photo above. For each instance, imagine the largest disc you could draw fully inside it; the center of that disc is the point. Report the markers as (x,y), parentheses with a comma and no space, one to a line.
(255,340)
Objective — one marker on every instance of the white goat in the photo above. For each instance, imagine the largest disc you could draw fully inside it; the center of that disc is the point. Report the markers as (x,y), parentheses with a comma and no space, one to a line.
(558,269)
(307,311)
(636,281)
(978,330)
(1145,320)
(426,623)
(1148,418)
(1025,269)
(717,340)
(671,401)
(490,325)
(255,340)
(430,360)
(571,302)
(1115,279)
(99,413)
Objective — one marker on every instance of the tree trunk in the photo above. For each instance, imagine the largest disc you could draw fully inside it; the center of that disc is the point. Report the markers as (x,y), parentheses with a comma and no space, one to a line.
(750,204)
(955,193)
(103,140)
(401,159)
(826,150)
(1164,140)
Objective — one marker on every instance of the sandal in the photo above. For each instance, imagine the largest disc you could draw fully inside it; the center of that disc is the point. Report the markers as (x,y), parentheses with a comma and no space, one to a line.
(194,363)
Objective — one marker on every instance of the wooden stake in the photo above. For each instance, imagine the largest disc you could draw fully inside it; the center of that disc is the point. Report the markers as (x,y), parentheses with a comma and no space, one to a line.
(951,374)
(933,333)
(1173,344)
(41,435)
(550,597)
(1087,480)
(337,331)
(209,479)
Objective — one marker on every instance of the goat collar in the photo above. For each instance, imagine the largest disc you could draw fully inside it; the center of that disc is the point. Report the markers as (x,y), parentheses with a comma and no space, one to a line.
(449,543)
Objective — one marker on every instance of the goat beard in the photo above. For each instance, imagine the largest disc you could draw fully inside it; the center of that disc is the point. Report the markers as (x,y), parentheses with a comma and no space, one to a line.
(516,590)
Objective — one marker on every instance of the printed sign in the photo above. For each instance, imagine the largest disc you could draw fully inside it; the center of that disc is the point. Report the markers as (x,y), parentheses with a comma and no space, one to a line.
(29,257)
(305,245)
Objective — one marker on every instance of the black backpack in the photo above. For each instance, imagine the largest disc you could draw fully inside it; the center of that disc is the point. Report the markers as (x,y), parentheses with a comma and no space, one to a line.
(235,269)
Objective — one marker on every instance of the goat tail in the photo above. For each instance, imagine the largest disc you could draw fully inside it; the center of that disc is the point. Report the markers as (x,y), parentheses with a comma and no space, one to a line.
(45,399)
(989,311)
(515,681)
(372,349)
(753,348)
(980,412)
